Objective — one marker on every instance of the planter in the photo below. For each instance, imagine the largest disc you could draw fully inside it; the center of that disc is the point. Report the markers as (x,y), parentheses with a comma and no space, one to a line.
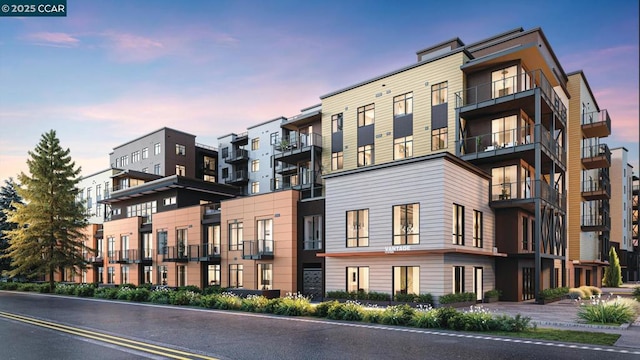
(550,300)
(491,299)
(459,304)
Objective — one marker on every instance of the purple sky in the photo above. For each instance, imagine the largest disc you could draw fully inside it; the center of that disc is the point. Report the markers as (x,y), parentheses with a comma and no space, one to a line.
(112,71)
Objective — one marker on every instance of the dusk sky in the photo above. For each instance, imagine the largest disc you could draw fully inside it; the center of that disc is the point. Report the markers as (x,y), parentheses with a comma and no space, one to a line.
(112,71)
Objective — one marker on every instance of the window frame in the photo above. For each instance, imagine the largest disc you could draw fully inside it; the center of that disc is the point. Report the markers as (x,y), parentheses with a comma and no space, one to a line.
(366,115)
(439,93)
(238,269)
(360,280)
(458,280)
(360,240)
(406,144)
(402,211)
(403,287)
(337,160)
(404,102)
(237,229)
(255,144)
(337,123)
(439,138)
(457,224)
(478,225)
(362,155)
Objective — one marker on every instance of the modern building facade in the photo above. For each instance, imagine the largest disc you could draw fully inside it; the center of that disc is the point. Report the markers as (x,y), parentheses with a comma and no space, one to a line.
(621,207)
(634,258)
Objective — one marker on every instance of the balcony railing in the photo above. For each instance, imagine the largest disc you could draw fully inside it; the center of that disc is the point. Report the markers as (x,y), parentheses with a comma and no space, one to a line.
(510,86)
(237,155)
(596,189)
(239,176)
(126,256)
(596,156)
(596,124)
(175,254)
(599,221)
(204,252)
(97,259)
(303,180)
(297,142)
(526,190)
(257,249)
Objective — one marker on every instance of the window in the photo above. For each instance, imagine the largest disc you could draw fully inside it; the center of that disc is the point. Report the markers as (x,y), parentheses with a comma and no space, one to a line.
(147,245)
(111,275)
(477,228)
(255,187)
(181,242)
(124,160)
(313,232)
(255,165)
(209,178)
(145,210)
(336,123)
(148,274)
(162,242)
(265,235)
(181,150)
(403,147)
(365,155)
(403,104)
(225,152)
(111,247)
(439,139)
(209,163)
(235,236)
(212,240)
(225,173)
(274,138)
(135,156)
(366,115)
(503,81)
(358,228)
(458,224)
(99,249)
(213,275)
(525,233)
(117,162)
(337,160)
(255,144)
(458,279)
(504,131)
(358,279)
(89,199)
(124,278)
(169,201)
(157,149)
(100,275)
(504,182)
(406,224)
(162,271)
(145,153)
(156,169)
(406,280)
(181,170)
(182,275)
(235,276)
(265,276)
(124,246)
(439,93)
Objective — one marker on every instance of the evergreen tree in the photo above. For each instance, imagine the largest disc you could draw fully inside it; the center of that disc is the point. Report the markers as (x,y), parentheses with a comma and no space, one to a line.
(613,273)
(8,197)
(49,233)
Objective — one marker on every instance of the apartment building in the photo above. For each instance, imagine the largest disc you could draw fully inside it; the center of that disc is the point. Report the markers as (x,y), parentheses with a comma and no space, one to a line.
(634,257)
(588,162)
(621,207)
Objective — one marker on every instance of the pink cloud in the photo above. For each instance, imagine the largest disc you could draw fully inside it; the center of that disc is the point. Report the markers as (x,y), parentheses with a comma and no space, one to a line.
(54,39)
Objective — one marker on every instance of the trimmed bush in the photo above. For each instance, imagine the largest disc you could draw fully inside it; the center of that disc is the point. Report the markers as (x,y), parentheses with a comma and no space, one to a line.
(323,308)
(554,293)
(457,297)
(85,290)
(292,305)
(28,287)
(397,315)
(184,297)
(351,310)
(160,295)
(212,290)
(106,293)
(255,303)
(227,301)
(494,293)
(445,314)
(191,288)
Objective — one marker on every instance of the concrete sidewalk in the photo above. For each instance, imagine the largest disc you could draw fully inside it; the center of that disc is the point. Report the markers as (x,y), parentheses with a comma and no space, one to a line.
(563,315)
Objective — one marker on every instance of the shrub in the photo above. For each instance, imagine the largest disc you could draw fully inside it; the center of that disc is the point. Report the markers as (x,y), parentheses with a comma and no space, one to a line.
(160,295)
(425,317)
(586,291)
(457,297)
(371,315)
(351,310)
(106,293)
(576,293)
(215,289)
(128,285)
(28,287)
(141,294)
(65,289)
(636,293)
(397,315)
(191,288)
(85,290)
(377,296)
(613,311)
(184,297)
(227,301)
(124,293)
(292,305)
(338,294)
(9,286)
(508,323)
(445,314)
(476,318)
(44,288)
(323,308)
(255,303)
(554,293)
(612,273)
(594,290)
(494,293)
(415,298)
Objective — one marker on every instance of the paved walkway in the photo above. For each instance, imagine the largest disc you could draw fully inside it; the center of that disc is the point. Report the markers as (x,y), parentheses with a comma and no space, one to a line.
(563,315)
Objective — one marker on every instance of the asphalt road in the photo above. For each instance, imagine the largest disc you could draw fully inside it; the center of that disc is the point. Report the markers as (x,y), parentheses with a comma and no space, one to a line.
(35,326)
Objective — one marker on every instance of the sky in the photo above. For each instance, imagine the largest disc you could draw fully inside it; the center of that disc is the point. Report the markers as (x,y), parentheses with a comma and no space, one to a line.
(111,71)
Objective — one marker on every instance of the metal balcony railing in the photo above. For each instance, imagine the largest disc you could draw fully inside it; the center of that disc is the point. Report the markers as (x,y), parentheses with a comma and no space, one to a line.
(257,249)
(175,254)
(526,190)
(297,142)
(594,151)
(304,179)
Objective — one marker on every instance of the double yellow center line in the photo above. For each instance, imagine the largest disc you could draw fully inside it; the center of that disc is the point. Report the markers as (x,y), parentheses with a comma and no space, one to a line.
(105,338)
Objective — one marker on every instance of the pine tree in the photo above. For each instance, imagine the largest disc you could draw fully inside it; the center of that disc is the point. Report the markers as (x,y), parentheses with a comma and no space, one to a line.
(50,222)
(613,273)
(8,197)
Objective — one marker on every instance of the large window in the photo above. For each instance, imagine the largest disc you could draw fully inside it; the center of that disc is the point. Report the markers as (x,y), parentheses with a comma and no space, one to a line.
(313,232)
(439,93)
(503,81)
(458,279)
(255,187)
(504,131)
(477,228)
(148,274)
(365,155)
(439,139)
(406,280)
(124,246)
(255,144)
(212,239)
(157,149)
(111,247)
(100,275)
(255,165)
(145,210)
(265,276)
(182,275)
(336,123)
(147,245)
(235,236)
(337,160)
(525,233)
(265,235)
(145,153)
(358,228)
(111,275)
(181,241)
(358,279)
(181,150)
(403,104)
(235,276)
(504,182)
(458,224)
(124,278)
(156,169)
(162,242)
(366,115)
(406,224)
(213,275)
(135,156)
(403,147)
(162,272)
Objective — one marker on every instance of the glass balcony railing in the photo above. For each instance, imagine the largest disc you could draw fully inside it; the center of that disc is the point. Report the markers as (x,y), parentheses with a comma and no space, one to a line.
(526,190)
(596,151)
(304,179)
(257,249)
(297,142)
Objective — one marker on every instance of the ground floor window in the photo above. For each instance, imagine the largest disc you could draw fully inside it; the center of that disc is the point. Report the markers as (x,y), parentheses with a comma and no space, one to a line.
(213,275)
(406,280)
(100,275)
(358,278)
(458,279)
(148,274)
(265,276)
(111,275)
(162,273)
(182,275)
(235,276)
(124,279)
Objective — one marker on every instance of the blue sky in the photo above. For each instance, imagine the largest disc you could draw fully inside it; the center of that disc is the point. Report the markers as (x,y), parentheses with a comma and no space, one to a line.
(112,71)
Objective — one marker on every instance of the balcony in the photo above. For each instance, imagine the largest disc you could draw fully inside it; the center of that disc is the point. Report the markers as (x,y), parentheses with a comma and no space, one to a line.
(596,124)
(241,139)
(207,252)
(596,156)
(97,260)
(508,142)
(237,156)
(596,189)
(126,256)
(239,177)
(257,249)
(302,181)
(297,147)
(175,254)
(520,194)
(146,257)
(508,89)
(597,222)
